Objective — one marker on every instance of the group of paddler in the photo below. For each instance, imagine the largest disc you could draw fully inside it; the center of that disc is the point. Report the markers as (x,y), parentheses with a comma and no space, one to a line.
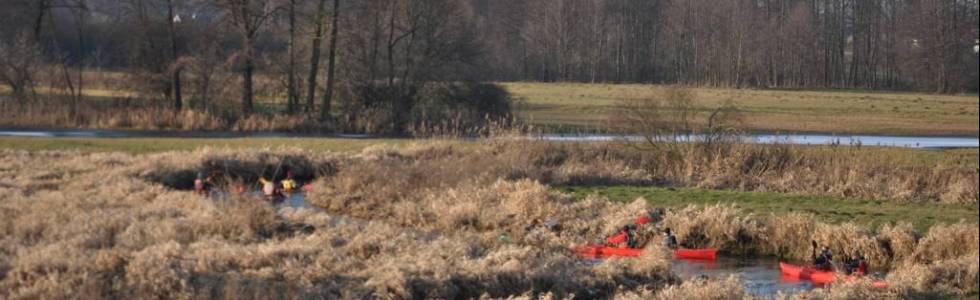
(822,271)
(625,244)
(272,190)
(855,265)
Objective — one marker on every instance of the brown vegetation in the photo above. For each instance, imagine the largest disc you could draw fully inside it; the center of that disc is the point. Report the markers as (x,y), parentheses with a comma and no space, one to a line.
(124,114)
(843,171)
(425,221)
(450,190)
(95,225)
(452,108)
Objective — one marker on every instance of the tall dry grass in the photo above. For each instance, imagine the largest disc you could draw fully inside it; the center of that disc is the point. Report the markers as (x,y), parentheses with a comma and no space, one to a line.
(111,226)
(428,221)
(836,171)
(790,236)
(127,113)
(448,189)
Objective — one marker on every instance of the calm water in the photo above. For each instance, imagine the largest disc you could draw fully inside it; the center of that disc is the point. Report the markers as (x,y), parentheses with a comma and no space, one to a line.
(292,201)
(759,276)
(923,142)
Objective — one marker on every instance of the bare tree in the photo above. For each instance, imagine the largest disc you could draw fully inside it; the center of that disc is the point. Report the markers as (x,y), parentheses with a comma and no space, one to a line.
(665,121)
(667,118)
(331,62)
(79,10)
(292,92)
(172,21)
(317,42)
(19,62)
(206,63)
(248,16)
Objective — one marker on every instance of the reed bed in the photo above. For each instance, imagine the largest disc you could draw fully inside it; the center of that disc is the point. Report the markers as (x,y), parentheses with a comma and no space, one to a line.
(132,114)
(107,226)
(840,172)
(425,221)
(790,236)
(447,189)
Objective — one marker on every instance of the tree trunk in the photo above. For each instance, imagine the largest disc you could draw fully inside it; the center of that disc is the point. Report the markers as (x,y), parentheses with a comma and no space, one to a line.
(174,51)
(391,48)
(331,62)
(249,70)
(42,10)
(292,96)
(315,57)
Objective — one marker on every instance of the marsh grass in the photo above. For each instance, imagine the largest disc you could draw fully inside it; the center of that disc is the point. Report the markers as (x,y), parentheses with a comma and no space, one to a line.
(833,172)
(135,114)
(424,221)
(158,145)
(108,226)
(836,210)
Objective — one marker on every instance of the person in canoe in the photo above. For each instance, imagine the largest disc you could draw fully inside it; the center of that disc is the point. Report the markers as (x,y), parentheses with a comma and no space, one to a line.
(670,241)
(825,260)
(289,184)
(269,189)
(201,184)
(625,237)
(857,265)
(630,232)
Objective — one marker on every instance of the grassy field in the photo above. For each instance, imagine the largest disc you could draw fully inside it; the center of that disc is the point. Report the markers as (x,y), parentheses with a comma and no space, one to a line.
(826,209)
(571,107)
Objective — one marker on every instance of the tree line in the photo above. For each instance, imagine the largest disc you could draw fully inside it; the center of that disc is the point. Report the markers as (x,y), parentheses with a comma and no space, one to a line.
(388,59)
(924,45)
(374,63)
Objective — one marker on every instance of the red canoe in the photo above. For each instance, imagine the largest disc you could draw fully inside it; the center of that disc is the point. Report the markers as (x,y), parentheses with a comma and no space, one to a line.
(644,221)
(820,277)
(699,254)
(807,273)
(617,239)
(605,252)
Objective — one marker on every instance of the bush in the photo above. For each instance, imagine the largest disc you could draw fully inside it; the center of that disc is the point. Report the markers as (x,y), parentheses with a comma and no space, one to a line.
(459,109)
(436,109)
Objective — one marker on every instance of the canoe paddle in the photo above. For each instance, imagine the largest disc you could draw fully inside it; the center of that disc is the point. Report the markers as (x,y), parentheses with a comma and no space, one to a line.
(813,252)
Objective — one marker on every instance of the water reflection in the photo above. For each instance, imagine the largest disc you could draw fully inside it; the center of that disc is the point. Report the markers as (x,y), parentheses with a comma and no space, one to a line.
(759,276)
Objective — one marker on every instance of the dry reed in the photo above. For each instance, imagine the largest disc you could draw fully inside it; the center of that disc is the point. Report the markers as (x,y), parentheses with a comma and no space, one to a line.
(127,113)
(109,226)
(424,222)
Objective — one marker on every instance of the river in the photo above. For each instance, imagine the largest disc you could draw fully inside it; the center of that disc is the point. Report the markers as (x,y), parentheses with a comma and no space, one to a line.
(917,142)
